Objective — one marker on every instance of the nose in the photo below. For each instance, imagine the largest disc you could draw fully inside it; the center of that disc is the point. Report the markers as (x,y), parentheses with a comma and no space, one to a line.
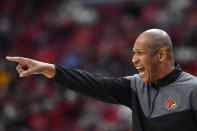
(135,59)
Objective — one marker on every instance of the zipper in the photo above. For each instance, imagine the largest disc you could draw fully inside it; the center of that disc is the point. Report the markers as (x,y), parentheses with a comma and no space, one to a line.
(153,105)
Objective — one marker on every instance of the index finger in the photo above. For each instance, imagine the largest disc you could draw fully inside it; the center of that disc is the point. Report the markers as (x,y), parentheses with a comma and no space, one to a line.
(16,59)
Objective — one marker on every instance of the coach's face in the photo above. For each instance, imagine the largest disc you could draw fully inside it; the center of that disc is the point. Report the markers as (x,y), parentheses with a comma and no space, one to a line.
(144,59)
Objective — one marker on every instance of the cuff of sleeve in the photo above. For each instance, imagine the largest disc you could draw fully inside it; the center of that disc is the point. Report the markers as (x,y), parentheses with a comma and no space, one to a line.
(56,73)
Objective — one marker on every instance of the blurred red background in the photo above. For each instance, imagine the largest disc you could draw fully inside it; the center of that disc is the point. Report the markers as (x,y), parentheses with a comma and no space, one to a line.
(96,36)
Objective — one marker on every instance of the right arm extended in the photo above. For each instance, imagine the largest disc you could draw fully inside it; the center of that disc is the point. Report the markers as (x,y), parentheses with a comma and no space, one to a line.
(107,89)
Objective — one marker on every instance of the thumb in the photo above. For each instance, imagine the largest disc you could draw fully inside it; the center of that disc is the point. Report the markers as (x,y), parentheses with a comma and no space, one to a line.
(27,73)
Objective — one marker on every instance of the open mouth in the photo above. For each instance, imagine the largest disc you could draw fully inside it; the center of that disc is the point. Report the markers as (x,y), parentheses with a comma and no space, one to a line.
(141,71)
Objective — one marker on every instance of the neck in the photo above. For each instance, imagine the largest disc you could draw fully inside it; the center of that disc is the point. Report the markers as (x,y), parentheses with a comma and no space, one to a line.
(164,70)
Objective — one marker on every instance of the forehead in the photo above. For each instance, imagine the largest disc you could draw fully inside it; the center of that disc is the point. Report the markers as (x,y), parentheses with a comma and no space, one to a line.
(141,43)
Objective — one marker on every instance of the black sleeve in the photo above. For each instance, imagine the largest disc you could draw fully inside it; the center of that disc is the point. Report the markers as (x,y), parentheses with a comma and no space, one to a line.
(106,89)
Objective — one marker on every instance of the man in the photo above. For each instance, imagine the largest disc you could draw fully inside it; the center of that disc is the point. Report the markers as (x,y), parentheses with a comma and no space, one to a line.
(162,96)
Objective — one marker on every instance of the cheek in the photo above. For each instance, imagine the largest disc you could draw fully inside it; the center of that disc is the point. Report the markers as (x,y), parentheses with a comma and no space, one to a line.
(149,64)
(151,68)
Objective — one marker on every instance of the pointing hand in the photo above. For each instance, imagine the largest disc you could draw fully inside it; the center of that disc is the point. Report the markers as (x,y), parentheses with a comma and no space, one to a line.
(27,67)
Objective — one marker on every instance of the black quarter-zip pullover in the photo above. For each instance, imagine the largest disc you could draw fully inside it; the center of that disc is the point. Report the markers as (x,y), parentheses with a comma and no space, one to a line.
(169,105)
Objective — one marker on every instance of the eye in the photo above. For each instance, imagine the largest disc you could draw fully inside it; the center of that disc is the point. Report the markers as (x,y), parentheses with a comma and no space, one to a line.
(140,53)
(137,53)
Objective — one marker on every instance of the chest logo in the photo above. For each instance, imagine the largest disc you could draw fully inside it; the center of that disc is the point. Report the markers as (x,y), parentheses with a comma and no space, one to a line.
(170,103)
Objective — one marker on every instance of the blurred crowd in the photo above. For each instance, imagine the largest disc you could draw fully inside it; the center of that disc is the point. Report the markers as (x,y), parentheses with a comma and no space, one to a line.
(95,37)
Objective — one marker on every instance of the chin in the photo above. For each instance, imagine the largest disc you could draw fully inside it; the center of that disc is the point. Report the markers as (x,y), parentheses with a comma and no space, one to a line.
(145,80)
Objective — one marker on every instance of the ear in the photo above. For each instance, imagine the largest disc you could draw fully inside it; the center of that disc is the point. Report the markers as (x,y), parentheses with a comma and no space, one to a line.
(162,54)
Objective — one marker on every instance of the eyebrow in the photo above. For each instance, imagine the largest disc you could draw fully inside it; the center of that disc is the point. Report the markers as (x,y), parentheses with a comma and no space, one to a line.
(133,50)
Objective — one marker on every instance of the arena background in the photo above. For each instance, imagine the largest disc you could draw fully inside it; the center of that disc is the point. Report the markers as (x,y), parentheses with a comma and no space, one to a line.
(93,35)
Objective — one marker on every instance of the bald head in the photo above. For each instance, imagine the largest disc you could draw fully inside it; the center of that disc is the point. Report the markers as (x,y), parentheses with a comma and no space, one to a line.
(156,39)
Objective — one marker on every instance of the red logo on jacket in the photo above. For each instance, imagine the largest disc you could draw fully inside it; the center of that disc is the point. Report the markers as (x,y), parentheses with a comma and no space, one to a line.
(170,103)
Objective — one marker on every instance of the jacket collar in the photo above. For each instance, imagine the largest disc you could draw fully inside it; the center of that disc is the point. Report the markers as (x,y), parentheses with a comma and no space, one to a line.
(169,78)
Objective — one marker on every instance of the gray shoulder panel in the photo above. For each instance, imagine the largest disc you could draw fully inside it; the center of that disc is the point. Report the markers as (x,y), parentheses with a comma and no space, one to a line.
(135,81)
(178,96)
